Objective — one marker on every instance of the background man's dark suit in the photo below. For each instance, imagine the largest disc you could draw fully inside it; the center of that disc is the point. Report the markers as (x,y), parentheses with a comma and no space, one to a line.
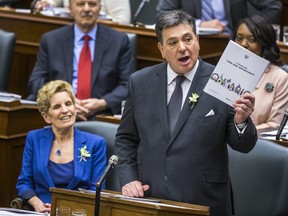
(111,67)
(191,165)
(234,9)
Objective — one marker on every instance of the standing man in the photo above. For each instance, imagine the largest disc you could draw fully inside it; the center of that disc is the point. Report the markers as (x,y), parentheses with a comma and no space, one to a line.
(186,159)
(223,14)
(99,75)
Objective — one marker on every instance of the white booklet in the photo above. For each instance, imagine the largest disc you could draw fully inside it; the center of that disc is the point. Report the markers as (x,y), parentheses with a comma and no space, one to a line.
(237,72)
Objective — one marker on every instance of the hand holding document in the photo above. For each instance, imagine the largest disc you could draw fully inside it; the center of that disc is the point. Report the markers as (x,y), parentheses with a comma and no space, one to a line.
(237,72)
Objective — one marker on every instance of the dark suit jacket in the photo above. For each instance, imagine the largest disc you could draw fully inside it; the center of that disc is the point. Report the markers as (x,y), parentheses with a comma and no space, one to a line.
(191,165)
(111,67)
(234,9)
(35,175)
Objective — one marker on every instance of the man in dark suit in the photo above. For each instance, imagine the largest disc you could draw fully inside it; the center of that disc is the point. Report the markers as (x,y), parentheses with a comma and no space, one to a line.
(227,13)
(112,61)
(190,162)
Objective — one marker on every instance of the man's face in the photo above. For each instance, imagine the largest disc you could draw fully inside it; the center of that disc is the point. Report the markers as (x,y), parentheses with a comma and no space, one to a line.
(180,48)
(85,13)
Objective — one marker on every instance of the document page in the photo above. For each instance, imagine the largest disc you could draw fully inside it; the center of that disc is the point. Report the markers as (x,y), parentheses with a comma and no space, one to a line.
(237,72)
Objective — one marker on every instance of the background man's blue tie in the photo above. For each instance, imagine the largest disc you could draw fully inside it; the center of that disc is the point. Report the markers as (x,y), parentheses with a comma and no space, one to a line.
(207,10)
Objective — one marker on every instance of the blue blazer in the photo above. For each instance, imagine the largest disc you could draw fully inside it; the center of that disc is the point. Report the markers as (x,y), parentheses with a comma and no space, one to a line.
(35,176)
(111,67)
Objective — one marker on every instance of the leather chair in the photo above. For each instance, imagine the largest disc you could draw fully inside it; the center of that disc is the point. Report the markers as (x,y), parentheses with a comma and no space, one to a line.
(7,44)
(8,3)
(108,131)
(260,180)
(133,42)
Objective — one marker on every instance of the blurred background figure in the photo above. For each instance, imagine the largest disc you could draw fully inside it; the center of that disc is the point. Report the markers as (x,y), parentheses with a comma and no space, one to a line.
(61,155)
(257,35)
(223,14)
(117,10)
(94,58)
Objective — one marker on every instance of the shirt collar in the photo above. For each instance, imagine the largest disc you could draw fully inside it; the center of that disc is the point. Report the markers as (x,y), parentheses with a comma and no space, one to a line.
(79,34)
(189,75)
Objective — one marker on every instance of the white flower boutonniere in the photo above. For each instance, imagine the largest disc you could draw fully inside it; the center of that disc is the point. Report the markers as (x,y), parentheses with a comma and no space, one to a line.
(193,99)
(84,154)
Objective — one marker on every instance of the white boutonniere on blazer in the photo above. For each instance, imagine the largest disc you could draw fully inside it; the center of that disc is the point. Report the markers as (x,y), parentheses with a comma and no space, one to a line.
(193,99)
(84,154)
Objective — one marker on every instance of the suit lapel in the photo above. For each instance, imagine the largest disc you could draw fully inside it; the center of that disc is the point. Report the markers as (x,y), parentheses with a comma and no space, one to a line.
(44,152)
(199,82)
(198,9)
(98,52)
(160,97)
(68,50)
(79,166)
(228,13)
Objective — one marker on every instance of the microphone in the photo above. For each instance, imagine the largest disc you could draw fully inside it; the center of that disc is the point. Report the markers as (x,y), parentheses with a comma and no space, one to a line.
(282,124)
(139,10)
(111,164)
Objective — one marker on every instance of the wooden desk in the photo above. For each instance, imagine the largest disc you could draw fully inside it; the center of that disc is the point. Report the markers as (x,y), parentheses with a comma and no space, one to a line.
(16,120)
(29,28)
(106,118)
(112,206)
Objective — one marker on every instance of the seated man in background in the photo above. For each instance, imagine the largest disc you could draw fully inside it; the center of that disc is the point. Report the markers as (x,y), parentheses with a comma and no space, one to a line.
(118,11)
(59,156)
(101,83)
(223,14)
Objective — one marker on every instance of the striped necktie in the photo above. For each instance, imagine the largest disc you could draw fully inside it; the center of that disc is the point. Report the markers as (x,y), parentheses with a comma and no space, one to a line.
(207,10)
(175,103)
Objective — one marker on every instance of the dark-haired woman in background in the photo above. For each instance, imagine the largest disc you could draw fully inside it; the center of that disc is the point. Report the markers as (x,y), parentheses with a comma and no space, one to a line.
(257,35)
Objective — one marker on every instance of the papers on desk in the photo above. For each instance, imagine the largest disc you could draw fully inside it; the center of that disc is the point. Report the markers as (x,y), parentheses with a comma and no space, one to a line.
(200,30)
(13,212)
(57,11)
(237,72)
(9,97)
(271,135)
(207,31)
(22,10)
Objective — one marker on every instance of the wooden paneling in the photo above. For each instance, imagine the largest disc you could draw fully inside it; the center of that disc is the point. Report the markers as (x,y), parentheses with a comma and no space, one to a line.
(16,120)
(111,205)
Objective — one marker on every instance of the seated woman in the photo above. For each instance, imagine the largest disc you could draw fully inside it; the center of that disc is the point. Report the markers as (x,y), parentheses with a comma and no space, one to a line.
(271,93)
(61,155)
(117,10)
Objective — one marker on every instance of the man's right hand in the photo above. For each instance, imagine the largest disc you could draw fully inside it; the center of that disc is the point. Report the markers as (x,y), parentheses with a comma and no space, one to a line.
(213,24)
(42,5)
(134,189)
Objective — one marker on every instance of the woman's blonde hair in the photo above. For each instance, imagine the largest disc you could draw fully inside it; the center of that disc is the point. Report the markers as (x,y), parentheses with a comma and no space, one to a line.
(49,89)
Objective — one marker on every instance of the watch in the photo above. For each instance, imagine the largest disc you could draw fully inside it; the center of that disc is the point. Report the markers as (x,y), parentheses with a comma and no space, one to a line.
(242,125)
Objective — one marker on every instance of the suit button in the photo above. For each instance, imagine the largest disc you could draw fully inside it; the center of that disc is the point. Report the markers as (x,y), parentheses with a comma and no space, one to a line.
(166,178)
(169,153)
